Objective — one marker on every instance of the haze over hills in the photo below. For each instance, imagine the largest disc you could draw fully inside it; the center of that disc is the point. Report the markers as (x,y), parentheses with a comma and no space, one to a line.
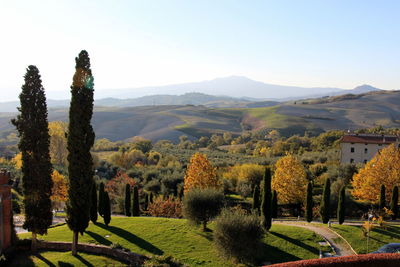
(293,117)
(234,91)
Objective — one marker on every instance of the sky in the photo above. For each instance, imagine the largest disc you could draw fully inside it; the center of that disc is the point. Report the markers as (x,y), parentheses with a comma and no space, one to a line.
(310,43)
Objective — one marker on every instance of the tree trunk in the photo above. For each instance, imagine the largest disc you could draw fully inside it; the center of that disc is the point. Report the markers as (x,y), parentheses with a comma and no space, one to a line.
(204,226)
(75,244)
(34,243)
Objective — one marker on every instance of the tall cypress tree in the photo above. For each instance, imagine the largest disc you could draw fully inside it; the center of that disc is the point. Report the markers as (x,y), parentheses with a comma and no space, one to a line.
(256,199)
(341,205)
(394,203)
(33,130)
(309,202)
(93,204)
(325,207)
(382,197)
(101,199)
(107,209)
(128,200)
(135,206)
(266,204)
(274,204)
(80,141)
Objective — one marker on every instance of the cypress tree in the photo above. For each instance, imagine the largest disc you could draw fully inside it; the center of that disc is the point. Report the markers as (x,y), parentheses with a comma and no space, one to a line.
(325,206)
(107,209)
(33,130)
(93,206)
(394,203)
(341,205)
(274,204)
(309,202)
(382,197)
(128,200)
(80,141)
(180,193)
(256,199)
(135,205)
(146,202)
(266,204)
(101,199)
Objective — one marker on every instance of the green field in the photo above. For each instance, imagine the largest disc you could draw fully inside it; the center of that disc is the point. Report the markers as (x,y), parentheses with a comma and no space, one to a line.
(53,258)
(175,237)
(378,237)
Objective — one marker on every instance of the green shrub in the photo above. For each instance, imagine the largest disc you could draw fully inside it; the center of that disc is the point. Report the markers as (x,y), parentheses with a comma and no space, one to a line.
(201,205)
(163,261)
(238,235)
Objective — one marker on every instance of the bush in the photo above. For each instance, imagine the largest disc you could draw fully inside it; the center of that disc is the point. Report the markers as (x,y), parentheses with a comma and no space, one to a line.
(169,208)
(201,205)
(238,235)
(163,261)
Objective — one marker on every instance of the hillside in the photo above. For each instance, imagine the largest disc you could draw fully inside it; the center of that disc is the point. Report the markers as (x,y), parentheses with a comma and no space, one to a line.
(293,117)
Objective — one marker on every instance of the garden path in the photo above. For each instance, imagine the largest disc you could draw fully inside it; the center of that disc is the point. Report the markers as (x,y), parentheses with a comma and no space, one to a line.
(341,248)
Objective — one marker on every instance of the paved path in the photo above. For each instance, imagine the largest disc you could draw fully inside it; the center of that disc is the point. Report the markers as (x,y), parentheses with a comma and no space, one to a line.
(341,249)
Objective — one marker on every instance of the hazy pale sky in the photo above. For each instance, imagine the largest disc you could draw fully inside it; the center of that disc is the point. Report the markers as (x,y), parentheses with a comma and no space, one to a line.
(142,43)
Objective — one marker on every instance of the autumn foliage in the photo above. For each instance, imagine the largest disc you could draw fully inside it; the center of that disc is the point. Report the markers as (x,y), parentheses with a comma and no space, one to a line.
(289,180)
(59,191)
(384,169)
(170,208)
(200,174)
(116,186)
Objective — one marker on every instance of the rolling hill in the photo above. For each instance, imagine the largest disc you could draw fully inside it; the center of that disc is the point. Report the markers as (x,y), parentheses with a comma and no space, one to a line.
(293,117)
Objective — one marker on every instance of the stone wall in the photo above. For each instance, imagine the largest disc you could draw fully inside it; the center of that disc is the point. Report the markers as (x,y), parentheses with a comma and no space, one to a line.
(128,257)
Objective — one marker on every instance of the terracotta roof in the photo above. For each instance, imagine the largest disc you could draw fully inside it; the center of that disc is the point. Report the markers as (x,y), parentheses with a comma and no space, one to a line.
(369,139)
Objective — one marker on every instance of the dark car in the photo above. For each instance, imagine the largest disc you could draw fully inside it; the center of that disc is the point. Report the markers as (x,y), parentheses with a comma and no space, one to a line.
(389,248)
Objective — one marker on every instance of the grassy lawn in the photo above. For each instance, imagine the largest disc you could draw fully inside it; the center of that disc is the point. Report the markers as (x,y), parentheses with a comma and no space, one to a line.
(378,237)
(52,258)
(160,236)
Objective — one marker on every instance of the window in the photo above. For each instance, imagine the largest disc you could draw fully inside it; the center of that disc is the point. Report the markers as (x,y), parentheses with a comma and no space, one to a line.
(352,149)
(351,160)
(365,150)
(365,161)
(379,144)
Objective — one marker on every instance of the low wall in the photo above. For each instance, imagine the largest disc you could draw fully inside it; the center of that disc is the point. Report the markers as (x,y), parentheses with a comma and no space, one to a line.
(365,260)
(128,257)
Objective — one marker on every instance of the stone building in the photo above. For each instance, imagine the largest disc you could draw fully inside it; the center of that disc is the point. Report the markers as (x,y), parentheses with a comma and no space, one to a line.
(5,210)
(360,148)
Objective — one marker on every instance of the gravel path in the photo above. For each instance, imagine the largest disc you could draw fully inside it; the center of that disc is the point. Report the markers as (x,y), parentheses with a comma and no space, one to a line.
(341,249)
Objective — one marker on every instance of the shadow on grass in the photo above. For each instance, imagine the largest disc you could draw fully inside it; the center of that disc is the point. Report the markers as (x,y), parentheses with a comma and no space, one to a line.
(84,262)
(46,261)
(391,231)
(207,235)
(99,238)
(128,236)
(272,254)
(297,243)
(64,264)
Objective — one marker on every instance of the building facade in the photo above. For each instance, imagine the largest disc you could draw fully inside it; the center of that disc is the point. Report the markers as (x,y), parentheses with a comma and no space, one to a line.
(360,148)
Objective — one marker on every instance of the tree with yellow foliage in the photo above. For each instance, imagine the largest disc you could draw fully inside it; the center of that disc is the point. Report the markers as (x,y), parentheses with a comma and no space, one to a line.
(200,174)
(58,142)
(383,168)
(59,193)
(248,172)
(17,160)
(289,180)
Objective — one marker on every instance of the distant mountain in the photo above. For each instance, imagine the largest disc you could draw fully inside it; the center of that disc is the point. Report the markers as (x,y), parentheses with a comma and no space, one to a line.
(232,86)
(233,91)
(156,122)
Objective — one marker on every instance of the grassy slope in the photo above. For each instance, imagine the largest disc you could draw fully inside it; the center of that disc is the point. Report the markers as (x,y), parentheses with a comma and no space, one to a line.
(147,235)
(53,258)
(378,237)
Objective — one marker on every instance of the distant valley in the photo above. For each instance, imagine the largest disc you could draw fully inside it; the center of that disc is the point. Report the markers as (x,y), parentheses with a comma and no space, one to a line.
(157,122)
